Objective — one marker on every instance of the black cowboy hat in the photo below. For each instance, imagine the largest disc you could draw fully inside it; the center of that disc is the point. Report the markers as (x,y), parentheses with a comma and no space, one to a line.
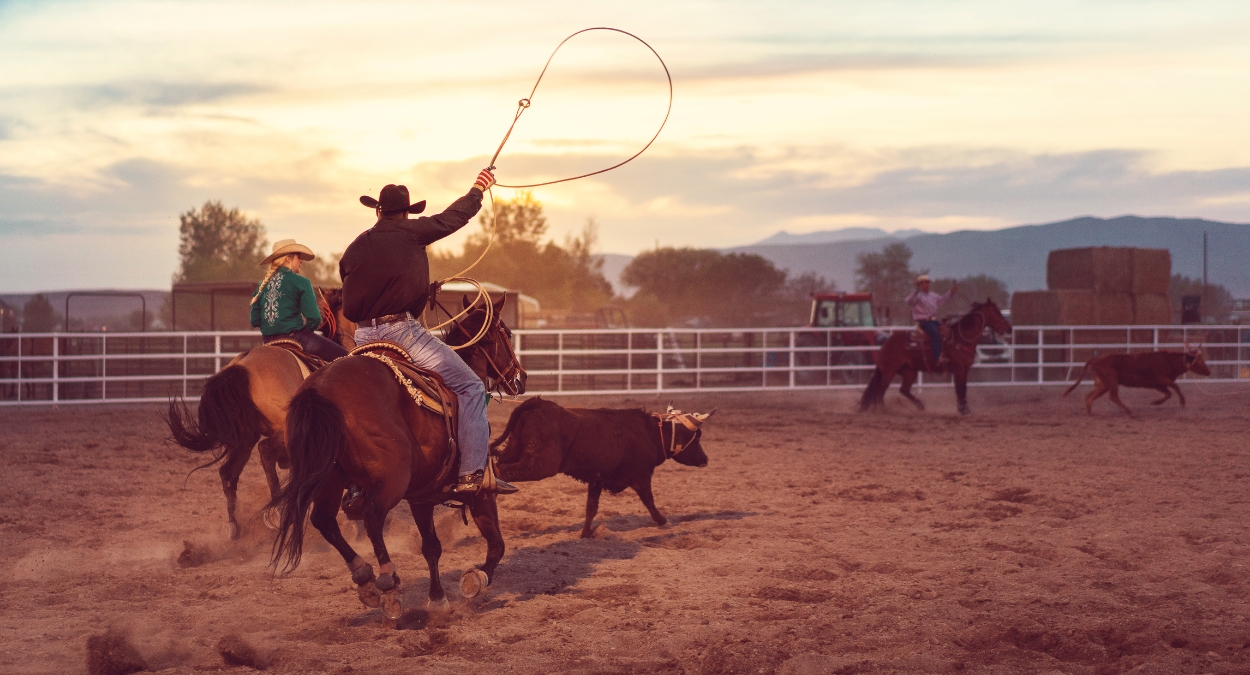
(394,199)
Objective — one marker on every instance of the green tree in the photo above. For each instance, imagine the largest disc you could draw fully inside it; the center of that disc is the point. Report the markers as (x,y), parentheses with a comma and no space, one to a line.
(38,316)
(704,287)
(216,244)
(888,276)
(974,288)
(567,277)
(1217,301)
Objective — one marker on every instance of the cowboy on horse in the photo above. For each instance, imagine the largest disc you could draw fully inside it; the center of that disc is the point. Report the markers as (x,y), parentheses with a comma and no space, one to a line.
(386,285)
(924,305)
(285,305)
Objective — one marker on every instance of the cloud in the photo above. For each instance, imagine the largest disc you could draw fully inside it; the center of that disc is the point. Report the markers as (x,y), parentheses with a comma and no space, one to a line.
(689,197)
(726,198)
(160,94)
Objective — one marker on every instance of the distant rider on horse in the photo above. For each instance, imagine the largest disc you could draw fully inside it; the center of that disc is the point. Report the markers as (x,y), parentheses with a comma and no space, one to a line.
(924,305)
(285,304)
(386,284)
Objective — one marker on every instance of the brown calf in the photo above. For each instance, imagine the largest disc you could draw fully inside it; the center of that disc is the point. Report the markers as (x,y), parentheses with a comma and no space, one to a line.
(1150,370)
(603,448)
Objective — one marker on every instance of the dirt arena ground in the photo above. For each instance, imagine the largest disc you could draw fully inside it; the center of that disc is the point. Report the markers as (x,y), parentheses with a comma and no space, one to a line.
(1025,538)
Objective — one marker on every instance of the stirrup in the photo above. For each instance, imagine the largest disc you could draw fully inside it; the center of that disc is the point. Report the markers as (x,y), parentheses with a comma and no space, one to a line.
(491,481)
(354,497)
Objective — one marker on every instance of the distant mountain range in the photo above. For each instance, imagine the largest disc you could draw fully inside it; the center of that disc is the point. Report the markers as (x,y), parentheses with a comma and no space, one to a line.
(784,238)
(1017,255)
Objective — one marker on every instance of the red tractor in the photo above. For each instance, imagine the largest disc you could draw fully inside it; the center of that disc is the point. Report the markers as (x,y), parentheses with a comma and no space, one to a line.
(852,312)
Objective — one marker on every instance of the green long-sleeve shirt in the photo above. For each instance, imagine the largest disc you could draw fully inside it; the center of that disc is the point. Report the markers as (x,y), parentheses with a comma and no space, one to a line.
(287,302)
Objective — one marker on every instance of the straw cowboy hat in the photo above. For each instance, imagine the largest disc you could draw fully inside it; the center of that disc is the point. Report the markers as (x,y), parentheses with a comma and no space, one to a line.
(922,277)
(287,247)
(394,198)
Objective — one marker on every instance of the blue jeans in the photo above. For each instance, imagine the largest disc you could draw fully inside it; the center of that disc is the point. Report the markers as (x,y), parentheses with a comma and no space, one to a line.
(930,327)
(427,351)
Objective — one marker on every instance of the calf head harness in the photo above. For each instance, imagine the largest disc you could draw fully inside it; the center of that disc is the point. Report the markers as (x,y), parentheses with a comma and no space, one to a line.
(691,421)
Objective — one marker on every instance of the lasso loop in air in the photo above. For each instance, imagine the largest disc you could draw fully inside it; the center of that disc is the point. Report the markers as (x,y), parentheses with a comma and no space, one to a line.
(525,103)
(522,106)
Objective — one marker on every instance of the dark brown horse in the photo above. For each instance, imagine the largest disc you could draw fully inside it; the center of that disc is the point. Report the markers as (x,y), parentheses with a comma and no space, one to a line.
(896,358)
(354,423)
(246,402)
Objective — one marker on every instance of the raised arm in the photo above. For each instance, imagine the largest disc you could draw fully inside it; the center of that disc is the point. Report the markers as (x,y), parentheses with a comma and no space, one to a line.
(432,228)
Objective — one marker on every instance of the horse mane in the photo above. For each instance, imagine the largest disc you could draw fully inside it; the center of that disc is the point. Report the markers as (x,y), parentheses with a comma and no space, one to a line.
(333,296)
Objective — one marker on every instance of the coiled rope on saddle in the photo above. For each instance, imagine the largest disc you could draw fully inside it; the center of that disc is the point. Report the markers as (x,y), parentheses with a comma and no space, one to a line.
(523,105)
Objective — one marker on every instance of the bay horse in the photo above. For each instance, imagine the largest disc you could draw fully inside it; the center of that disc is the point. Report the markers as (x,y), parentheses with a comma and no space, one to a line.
(245,403)
(896,358)
(353,423)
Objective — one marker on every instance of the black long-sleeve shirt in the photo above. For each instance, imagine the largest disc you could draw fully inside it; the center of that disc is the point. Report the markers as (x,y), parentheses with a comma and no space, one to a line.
(386,271)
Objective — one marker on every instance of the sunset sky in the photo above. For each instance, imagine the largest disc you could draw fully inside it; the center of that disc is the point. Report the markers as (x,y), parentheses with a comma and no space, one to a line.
(117,116)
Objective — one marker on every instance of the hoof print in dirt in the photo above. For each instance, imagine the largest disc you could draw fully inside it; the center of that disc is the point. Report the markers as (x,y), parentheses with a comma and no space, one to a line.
(236,651)
(112,654)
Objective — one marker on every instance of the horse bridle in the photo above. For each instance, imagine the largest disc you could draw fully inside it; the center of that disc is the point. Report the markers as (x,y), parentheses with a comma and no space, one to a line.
(673,418)
(509,378)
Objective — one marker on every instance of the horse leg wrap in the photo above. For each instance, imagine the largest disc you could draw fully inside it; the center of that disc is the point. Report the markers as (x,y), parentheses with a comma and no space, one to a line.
(388,582)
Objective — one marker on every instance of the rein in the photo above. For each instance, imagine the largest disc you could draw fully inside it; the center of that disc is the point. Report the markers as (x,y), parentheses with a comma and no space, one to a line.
(328,320)
(513,371)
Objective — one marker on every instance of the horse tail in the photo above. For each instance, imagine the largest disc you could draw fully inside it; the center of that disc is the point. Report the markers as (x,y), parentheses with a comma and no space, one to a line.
(1078,379)
(315,434)
(871,393)
(227,417)
(512,422)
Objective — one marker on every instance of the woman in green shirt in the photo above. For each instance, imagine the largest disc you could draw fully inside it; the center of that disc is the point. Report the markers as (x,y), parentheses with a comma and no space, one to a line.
(285,304)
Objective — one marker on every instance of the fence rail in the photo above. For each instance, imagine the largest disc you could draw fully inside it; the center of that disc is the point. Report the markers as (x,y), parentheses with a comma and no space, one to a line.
(65,368)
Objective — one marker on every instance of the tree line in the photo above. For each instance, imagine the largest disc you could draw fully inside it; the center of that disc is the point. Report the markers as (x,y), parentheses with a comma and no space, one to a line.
(671,286)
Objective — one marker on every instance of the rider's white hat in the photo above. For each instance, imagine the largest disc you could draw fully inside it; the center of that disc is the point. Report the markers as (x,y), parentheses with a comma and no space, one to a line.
(922,277)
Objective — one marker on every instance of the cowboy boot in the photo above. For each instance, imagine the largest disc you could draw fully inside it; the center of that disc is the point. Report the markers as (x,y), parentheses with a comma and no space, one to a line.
(483,479)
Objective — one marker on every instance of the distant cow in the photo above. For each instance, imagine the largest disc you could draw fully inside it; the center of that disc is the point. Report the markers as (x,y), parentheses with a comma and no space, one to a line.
(1151,370)
(603,448)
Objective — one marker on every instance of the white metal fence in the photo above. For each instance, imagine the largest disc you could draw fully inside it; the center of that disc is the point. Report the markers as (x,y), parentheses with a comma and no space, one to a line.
(62,368)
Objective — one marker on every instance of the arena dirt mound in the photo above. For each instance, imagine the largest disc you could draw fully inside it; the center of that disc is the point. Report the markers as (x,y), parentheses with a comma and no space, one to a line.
(236,651)
(111,653)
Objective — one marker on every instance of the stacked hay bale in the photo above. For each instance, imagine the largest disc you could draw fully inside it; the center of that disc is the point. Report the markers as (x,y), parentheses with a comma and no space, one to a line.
(1103,286)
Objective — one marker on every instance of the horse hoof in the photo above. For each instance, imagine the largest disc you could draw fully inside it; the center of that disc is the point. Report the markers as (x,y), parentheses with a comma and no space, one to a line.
(232,529)
(392,605)
(369,594)
(473,582)
(271,519)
